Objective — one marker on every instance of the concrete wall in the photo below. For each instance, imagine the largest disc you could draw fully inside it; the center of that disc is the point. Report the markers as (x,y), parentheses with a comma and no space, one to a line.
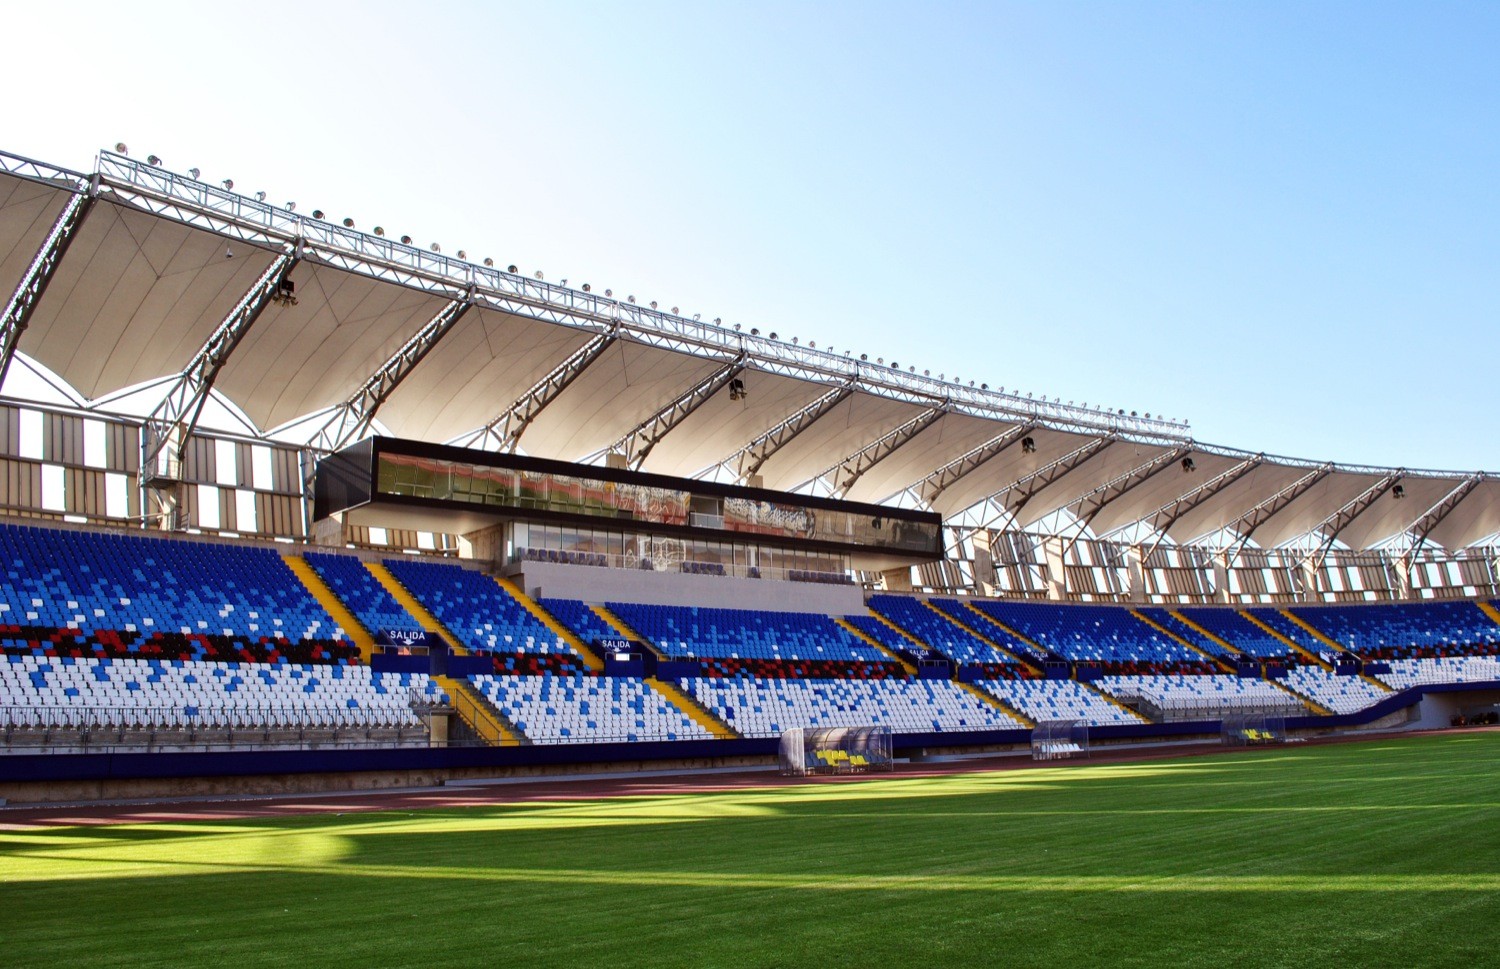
(597,585)
(1439,709)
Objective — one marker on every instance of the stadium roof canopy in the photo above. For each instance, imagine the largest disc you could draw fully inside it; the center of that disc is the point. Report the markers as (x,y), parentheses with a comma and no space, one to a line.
(135,274)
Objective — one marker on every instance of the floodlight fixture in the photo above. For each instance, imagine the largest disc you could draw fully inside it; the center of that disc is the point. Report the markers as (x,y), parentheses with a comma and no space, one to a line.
(120,147)
(260,196)
(406,240)
(489,262)
(194,172)
(380,231)
(318,214)
(348,223)
(228,184)
(1188,466)
(435,247)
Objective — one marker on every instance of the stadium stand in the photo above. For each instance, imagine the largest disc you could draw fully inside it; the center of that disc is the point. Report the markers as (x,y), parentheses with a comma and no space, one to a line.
(98,594)
(1278,623)
(578,708)
(940,633)
(731,641)
(1239,632)
(1404,673)
(580,619)
(38,691)
(1407,630)
(1107,635)
(371,604)
(1341,694)
(761,707)
(1184,630)
(485,617)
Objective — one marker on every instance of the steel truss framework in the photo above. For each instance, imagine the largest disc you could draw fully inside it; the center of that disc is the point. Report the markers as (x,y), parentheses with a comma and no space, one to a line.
(927,490)
(503,432)
(172,422)
(839,478)
(350,421)
(748,460)
(637,443)
(150,188)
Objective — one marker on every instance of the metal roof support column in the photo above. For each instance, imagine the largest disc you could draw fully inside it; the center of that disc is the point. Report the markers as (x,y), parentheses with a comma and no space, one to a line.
(636,444)
(165,433)
(841,477)
(352,419)
(503,433)
(23,302)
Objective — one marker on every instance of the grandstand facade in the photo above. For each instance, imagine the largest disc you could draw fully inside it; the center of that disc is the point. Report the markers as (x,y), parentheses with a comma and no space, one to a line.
(271,480)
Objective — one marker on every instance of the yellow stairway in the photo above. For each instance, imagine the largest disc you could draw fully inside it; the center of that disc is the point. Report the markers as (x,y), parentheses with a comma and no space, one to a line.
(1180,641)
(872,641)
(696,711)
(547,619)
(1011,632)
(991,700)
(1233,649)
(335,607)
(1290,645)
(418,611)
(1489,610)
(985,639)
(474,710)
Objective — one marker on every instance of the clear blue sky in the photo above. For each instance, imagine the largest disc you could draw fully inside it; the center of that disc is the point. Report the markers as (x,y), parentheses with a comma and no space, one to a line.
(1278,220)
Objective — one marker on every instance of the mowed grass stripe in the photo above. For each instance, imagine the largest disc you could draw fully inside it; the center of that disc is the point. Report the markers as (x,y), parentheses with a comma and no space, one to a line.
(1373,853)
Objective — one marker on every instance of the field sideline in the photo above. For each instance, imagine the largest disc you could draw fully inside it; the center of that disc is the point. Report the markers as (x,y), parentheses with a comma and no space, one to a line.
(1384,852)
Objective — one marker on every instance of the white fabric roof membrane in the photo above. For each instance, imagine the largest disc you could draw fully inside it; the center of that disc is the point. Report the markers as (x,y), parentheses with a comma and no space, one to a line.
(857,420)
(136,297)
(628,384)
(477,371)
(303,358)
(946,438)
(27,211)
(139,293)
(722,426)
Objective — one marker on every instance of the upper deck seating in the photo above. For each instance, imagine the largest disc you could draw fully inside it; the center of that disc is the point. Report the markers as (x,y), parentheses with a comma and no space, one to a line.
(1107,635)
(1239,632)
(1406,629)
(485,617)
(371,603)
(938,632)
(105,594)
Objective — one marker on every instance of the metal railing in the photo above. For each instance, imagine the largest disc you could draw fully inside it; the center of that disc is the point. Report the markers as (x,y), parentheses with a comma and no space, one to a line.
(30,726)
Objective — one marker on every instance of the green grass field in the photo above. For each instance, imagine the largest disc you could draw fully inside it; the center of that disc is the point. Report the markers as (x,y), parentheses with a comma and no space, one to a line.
(1377,853)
